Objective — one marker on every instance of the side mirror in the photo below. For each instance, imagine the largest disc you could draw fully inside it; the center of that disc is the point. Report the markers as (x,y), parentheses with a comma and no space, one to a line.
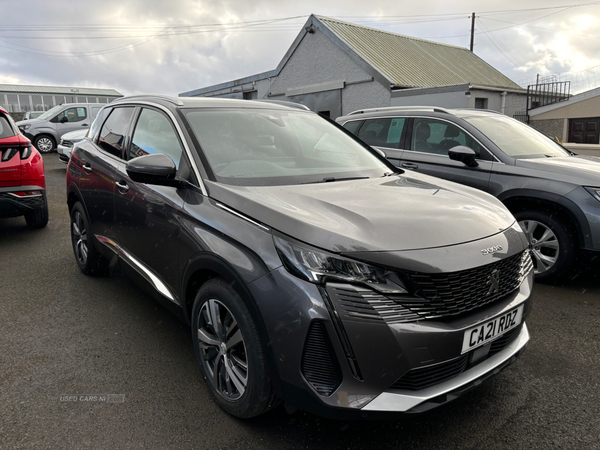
(157,168)
(381,152)
(64,119)
(463,154)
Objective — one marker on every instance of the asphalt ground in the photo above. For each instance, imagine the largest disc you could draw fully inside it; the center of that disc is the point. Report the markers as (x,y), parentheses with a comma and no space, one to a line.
(62,332)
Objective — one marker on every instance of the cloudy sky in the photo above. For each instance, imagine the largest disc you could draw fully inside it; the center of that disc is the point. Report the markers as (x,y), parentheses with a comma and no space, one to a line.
(172,46)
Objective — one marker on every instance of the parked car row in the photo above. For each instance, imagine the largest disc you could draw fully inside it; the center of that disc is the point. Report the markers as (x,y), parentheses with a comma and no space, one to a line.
(310,269)
(337,268)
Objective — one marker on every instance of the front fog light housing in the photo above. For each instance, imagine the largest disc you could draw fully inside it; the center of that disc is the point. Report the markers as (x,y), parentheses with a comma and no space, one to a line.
(317,266)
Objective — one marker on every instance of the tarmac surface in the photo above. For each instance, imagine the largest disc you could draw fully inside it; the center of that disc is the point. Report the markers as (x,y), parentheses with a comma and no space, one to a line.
(65,333)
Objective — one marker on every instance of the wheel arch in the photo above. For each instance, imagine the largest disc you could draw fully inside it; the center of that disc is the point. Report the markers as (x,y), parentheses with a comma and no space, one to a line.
(542,201)
(48,135)
(205,266)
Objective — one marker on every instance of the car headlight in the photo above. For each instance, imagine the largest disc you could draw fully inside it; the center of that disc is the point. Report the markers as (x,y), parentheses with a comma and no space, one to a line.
(25,127)
(318,266)
(595,191)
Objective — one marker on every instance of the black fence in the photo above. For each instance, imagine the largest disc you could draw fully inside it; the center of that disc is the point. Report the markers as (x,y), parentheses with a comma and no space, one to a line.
(539,95)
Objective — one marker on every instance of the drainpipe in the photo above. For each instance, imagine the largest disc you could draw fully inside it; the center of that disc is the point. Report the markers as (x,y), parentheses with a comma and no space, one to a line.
(503,102)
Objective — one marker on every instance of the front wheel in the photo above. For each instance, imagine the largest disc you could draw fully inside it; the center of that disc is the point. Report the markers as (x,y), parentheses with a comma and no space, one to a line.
(44,144)
(552,242)
(230,351)
(89,260)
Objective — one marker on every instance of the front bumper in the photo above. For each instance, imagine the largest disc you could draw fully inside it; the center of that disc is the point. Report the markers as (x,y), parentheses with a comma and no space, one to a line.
(346,368)
(12,205)
(64,153)
(397,400)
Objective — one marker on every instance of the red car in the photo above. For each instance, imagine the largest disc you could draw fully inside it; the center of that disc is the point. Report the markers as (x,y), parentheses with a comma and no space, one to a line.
(22,179)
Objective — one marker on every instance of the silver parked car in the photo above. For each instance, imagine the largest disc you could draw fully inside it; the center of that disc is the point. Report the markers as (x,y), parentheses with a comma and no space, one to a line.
(45,131)
(65,147)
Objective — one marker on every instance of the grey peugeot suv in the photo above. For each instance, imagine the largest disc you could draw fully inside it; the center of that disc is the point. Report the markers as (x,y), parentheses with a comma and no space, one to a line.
(310,270)
(553,193)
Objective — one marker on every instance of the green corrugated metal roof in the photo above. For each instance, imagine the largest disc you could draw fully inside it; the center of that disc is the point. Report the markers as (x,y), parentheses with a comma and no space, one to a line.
(50,90)
(412,62)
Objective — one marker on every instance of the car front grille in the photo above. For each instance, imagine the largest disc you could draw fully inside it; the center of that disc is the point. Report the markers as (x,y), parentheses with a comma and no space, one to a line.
(438,295)
(424,377)
(452,293)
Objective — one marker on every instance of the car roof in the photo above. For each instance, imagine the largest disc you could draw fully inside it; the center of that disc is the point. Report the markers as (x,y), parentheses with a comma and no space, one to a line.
(392,111)
(3,110)
(210,102)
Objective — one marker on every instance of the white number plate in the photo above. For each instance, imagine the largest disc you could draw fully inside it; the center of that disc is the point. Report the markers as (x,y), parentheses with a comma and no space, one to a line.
(488,331)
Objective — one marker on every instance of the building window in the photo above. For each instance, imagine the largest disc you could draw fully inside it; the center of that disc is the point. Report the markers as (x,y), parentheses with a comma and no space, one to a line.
(481,103)
(252,95)
(24,102)
(48,102)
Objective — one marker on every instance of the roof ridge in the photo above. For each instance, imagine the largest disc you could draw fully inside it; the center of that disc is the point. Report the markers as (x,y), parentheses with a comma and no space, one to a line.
(324,19)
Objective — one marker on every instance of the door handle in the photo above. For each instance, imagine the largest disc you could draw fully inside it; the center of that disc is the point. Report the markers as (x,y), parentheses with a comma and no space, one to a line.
(85,125)
(410,165)
(122,187)
(87,168)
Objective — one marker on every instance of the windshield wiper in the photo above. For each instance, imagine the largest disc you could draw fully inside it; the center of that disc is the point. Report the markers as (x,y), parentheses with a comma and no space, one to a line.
(332,179)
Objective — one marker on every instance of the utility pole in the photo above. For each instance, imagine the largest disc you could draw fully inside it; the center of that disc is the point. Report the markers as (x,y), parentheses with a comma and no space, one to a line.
(472,31)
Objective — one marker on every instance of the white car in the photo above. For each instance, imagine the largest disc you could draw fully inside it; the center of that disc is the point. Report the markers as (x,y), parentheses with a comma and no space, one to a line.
(66,144)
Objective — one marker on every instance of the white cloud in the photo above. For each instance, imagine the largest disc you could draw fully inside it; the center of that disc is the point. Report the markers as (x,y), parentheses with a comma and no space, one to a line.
(174,64)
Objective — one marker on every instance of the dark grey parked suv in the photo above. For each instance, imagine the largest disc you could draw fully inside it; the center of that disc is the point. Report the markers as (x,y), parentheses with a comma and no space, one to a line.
(310,269)
(554,194)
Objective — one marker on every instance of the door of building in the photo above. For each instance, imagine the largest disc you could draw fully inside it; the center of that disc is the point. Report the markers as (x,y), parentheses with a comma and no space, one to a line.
(584,131)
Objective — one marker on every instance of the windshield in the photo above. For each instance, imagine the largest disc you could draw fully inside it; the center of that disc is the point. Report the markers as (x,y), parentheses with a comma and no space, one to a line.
(51,112)
(515,138)
(261,147)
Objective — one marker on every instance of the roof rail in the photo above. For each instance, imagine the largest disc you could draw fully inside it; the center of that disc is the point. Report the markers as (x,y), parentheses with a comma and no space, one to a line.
(401,108)
(167,98)
(284,103)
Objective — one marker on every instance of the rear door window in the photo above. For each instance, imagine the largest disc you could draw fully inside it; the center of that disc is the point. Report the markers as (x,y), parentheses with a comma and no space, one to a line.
(113,133)
(385,132)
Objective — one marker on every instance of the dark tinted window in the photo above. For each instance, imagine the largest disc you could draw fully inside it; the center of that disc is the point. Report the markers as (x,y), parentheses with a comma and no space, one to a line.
(155,134)
(72,115)
(382,132)
(5,128)
(353,126)
(112,134)
(438,136)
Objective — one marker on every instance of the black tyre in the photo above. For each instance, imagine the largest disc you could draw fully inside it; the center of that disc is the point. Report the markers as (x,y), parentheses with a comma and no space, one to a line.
(44,144)
(89,260)
(230,351)
(553,243)
(39,217)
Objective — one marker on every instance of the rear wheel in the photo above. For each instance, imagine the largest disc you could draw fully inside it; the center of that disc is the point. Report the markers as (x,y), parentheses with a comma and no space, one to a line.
(39,217)
(230,351)
(44,144)
(552,242)
(89,260)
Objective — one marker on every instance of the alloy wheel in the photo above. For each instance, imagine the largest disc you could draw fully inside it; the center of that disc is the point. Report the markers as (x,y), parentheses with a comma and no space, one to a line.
(80,238)
(223,350)
(544,245)
(44,145)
